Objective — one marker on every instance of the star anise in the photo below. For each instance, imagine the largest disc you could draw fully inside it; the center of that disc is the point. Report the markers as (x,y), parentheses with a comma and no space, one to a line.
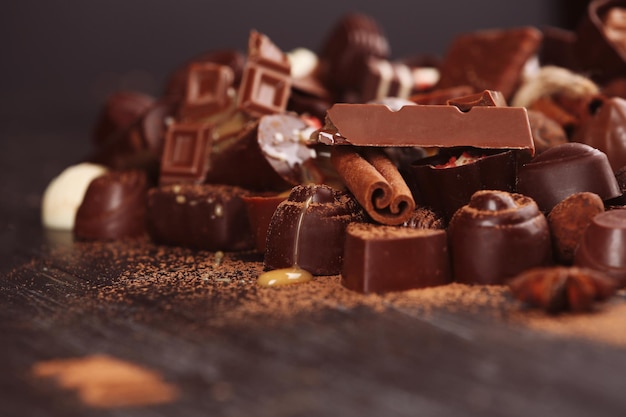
(558,288)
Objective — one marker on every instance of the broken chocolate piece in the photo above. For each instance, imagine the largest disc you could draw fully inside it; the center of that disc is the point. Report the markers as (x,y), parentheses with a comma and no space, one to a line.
(427,126)
(496,236)
(564,170)
(207,90)
(386,79)
(486,98)
(186,152)
(114,207)
(603,246)
(380,259)
(200,216)
(489,59)
(375,182)
(322,229)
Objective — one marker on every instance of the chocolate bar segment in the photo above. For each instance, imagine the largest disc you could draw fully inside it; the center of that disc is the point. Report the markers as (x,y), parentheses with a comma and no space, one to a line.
(185,155)
(207,90)
(380,259)
(427,126)
(201,216)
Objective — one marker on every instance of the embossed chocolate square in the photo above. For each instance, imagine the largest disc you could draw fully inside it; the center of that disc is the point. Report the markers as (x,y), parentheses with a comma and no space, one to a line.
(185,155)
(263,91)
(207,90)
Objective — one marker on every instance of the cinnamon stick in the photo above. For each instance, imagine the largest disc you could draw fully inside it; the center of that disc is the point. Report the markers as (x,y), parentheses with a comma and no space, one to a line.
(375,182)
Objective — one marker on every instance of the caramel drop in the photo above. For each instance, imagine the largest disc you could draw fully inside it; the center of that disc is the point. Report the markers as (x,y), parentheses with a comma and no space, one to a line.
(284,276)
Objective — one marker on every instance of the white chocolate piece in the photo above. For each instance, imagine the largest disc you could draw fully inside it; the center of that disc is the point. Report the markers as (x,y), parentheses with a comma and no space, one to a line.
(303,62)
(65,194)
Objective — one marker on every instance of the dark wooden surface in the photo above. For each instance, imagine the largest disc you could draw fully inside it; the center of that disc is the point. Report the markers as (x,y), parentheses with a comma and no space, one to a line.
(336,361)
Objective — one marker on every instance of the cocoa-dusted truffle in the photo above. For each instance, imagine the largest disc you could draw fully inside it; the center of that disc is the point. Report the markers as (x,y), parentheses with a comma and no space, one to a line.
(381,258)
(564,170)
(496,236)
(603,246)
(114,207)
(201,216)
(568,221)
(308,229)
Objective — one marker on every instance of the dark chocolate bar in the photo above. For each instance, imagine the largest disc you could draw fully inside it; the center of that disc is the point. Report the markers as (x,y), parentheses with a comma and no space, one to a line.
(186,153)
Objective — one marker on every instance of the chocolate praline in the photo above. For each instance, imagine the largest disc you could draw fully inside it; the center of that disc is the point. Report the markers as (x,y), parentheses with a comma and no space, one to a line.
(496,236)
(317,246)
(564,170)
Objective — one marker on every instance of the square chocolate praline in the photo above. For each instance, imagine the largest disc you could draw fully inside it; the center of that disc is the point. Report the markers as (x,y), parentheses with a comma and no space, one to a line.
(185,154)
(264,90)
(379,259)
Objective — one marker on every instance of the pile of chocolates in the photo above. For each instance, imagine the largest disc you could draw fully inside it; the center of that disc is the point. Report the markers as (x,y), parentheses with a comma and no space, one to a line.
(505,158)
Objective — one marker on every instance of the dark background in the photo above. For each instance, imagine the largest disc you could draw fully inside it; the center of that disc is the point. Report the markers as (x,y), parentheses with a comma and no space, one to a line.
(60,59)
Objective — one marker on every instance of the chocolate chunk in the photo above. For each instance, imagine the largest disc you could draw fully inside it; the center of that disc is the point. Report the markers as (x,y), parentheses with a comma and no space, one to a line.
(207,90)
(441,95)
(311,234)
(568,221)
(447,187)
(427,126)
(489,59)
(120,111)
(114,207)
(386,79)
(564,170)
(350,43)
(486,98)
(200,216)
(603,246)
(496,236)
(260,209)
(186,152)
(266,79)
(546,132)
(604,130)
(599,47)
(380,259)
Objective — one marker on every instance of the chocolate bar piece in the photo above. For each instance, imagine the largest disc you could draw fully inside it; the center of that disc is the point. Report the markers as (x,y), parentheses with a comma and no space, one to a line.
(386,79)
(603,246)
(207,90)
(379,259)
(260,209)
(186,152)
(564,170)
(427,126)
(114,207)
(489,59)
(308,229)
(266,79)
(200,216)
(496,236)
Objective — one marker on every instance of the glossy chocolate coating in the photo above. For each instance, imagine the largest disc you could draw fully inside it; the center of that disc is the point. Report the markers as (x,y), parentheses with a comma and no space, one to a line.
(201,216)
(322,233)
(603,246)
(120,111)
(379,259)
(448,189)
(604,130)
(260,209)
(489,59)
(564,170)
(114,207)
(496,236)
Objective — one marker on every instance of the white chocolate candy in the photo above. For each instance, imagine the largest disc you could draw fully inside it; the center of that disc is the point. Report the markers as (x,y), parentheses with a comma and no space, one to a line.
(303,62)
(65,194)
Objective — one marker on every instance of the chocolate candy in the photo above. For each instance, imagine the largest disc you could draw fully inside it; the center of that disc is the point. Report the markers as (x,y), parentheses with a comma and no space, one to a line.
(186,152)
(319,225)
(379,259)
(121,110)
(446,188)
(496,236)
(386,79)
(266,79)
(427,126)
(207,90)
(603,246)
(201,216)
(604,130)
(442,95)
(568,221)
(114,207)
(546,132)
(260,209)
(350,43)
(564,170)
(486,98)
(489,59)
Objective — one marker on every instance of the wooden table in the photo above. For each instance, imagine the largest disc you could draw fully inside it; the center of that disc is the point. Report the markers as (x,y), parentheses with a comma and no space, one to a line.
(332,360)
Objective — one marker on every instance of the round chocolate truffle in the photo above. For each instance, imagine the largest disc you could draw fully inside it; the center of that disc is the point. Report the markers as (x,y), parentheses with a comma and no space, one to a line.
(564,170)
(603,245)
(496,236)
(114,207)
(308,229)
